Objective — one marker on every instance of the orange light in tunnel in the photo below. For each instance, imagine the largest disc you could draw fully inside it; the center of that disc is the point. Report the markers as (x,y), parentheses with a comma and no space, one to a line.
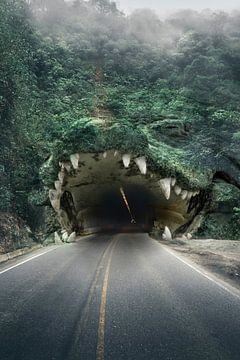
(127,204)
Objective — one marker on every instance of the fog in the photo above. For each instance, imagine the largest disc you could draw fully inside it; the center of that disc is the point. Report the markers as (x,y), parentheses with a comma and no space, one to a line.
(99,22)
(162,7)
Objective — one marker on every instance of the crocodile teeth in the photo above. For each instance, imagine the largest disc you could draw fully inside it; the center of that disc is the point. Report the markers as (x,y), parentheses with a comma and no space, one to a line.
(54,198)
(115,153)
(184,194)
(177,190)
(105,154)
(173,181)
(142,164)
(65,165)
(58,185)
(61,176)
(190,194)
(126,160)
(74,160)
(165,185)
(196,193)
(167,235)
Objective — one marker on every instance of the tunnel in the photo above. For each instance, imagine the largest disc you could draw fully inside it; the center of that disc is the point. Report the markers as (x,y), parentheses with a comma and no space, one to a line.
(114,191)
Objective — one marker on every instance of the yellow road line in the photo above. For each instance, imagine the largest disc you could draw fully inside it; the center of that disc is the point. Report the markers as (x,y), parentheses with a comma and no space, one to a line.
(85,313)
(101,325)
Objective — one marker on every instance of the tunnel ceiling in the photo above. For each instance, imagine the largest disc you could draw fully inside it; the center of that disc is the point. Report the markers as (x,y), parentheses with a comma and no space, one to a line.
(93,181)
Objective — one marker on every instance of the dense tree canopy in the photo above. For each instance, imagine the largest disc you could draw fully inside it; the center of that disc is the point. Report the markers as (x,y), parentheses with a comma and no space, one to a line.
(63,61)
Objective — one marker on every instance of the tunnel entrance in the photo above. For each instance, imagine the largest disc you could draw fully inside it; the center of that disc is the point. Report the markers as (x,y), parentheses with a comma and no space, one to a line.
(112,213)
(87,195)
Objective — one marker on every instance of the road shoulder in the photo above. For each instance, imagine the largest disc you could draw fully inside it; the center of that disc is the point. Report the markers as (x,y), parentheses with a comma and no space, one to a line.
(219,257)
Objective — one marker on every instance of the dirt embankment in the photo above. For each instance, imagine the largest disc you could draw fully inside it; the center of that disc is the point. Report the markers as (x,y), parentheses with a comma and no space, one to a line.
(221,257)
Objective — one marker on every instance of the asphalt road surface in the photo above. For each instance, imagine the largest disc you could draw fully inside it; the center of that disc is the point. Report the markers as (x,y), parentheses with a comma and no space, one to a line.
(121,296)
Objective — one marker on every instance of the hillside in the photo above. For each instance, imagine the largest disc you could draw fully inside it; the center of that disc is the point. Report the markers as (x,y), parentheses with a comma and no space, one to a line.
(82,77)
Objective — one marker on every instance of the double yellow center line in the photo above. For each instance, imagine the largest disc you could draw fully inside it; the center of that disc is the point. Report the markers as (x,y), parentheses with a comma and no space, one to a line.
(102,316)
(86,312)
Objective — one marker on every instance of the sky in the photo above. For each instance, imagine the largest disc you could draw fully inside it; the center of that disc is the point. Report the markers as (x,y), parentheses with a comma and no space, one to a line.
(163,6)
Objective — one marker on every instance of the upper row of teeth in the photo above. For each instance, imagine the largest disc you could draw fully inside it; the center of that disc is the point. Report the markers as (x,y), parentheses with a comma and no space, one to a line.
(166,184)
(126,158)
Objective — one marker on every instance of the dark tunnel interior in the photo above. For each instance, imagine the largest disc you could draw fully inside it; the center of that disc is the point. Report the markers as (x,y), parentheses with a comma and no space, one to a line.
(130,210)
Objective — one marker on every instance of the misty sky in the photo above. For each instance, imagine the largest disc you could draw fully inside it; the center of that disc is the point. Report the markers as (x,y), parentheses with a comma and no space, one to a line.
(162,6)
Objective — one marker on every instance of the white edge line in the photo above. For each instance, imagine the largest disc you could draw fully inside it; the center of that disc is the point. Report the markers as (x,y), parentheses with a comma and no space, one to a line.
(234,292)
(25,261)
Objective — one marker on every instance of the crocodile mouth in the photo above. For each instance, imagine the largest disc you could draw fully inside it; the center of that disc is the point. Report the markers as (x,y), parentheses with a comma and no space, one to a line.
(114,190)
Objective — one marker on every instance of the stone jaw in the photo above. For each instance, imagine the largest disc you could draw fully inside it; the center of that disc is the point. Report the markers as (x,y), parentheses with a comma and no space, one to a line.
(166,184)
(132,168)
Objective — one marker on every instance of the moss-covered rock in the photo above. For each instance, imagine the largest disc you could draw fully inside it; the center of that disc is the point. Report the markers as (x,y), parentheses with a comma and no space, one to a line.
(222,220)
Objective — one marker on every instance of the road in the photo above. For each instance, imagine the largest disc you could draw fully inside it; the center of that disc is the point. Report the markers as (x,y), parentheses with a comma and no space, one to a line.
(110,297)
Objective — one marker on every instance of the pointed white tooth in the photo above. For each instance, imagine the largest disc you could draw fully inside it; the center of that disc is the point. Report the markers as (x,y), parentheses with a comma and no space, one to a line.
(177,190)
(61,176)
(105,154)
(196,193)
(165,185)
(74,160)
(126,158)
(189,236)
(151,176)
(67,166)
(173,181)
(54,198)
(115,153)
(58,185)
(184,194)
(142,164)
(167,235)
(190,194)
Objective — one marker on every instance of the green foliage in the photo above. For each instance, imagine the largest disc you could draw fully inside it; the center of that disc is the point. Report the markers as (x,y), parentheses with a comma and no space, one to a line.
(170,89)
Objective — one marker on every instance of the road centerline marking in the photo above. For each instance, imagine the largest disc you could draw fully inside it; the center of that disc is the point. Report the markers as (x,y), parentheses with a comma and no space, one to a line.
(84,318)
(102,314)
(85,313)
